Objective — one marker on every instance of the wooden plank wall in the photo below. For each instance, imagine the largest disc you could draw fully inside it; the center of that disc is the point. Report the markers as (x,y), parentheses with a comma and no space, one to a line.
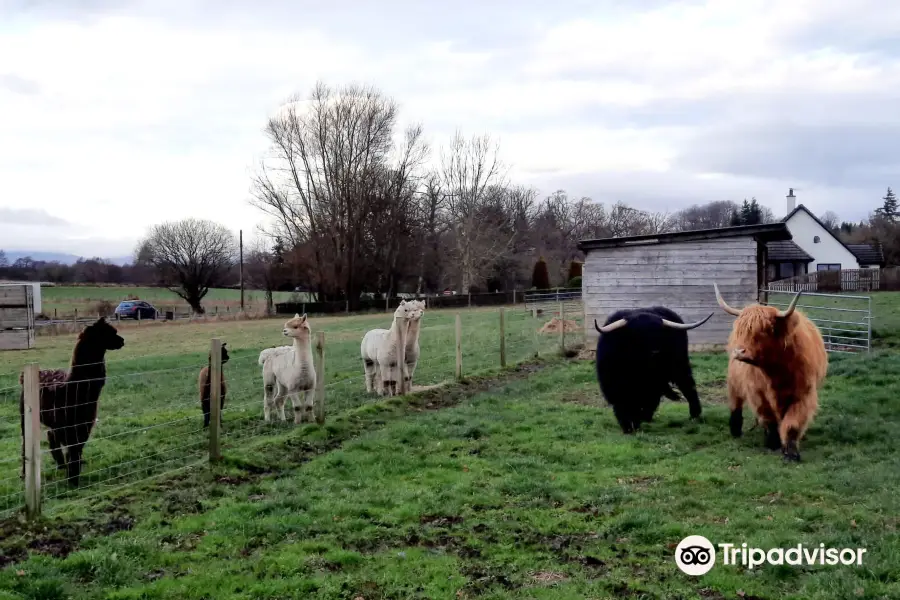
(16,317)
(678,276)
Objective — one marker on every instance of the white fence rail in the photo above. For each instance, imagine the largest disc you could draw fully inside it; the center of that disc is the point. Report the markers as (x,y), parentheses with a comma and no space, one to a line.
(844,320)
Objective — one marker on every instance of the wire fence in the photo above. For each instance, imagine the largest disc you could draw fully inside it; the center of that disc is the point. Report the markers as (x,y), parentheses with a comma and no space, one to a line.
(148,421)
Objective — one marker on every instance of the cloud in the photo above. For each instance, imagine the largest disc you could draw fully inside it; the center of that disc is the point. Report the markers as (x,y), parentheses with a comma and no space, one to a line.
(662,104)
(30,217)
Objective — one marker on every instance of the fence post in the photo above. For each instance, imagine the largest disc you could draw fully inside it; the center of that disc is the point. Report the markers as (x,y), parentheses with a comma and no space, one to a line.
(32,440)
(470,299)
(303,312)
(458,347)
(401,354)
(562,328)
(215,398)
(514,296)
(347,306)
(75,320)
(320,378)
(502,337)
(139,317)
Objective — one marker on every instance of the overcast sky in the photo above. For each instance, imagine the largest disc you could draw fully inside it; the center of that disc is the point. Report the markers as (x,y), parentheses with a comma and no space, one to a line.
(119,114)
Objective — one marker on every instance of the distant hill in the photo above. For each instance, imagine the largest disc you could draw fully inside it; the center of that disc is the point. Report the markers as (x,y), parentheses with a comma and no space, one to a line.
(67,259)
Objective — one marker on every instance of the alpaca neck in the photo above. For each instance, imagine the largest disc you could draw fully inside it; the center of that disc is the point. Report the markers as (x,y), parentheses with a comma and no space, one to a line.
(395,328)
(301,344)
(87,363)
(412,333)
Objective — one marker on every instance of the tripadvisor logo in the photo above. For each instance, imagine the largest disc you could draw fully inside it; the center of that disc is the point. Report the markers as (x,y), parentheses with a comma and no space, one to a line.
(696,555)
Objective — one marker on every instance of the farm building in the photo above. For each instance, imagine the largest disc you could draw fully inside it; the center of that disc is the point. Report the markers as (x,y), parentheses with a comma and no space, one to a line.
(677,270)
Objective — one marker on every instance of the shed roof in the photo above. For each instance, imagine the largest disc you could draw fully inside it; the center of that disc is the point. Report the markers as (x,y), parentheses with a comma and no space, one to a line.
(766,233)
(867,254)
(787,251)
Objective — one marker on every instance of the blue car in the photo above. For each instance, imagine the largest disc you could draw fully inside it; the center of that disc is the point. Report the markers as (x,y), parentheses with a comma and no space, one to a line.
(130,309)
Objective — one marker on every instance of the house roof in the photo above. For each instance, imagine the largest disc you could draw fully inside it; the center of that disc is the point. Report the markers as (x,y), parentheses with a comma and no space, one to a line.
(867,254)
(766,232)
(821,224)
(787,251)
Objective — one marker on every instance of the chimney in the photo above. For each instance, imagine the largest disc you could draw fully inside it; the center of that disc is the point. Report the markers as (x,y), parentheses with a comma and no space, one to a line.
(791,201)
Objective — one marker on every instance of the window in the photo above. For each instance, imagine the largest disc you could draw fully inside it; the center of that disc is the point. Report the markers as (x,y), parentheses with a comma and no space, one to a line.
(828,267)
(785,270)
(816,239)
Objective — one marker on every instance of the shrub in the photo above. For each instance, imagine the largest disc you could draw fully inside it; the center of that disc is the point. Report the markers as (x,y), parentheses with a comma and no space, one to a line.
(103,308)
(540,277)
(575,282)
(574,270)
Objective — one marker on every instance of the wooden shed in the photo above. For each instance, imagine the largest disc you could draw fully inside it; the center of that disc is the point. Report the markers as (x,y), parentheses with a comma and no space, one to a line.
(16,317)
(677,270)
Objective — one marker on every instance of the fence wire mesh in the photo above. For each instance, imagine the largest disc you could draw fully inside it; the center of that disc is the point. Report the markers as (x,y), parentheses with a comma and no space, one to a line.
(149,421)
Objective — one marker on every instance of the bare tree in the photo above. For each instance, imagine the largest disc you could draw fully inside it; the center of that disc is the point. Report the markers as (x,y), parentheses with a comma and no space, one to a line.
(830,220)
(474,179)
(190,257)
(330,155)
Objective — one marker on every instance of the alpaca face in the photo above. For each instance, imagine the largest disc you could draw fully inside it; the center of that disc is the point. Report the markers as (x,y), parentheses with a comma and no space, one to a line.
(298,327)
(418,309)
(103,335)
(405,310)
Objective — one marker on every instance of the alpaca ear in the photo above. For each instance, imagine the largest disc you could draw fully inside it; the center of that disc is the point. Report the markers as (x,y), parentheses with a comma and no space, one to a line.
(303,318)
(297,315)
(403,303)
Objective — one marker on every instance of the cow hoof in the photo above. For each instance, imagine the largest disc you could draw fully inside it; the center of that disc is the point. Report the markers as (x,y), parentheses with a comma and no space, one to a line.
(791,457)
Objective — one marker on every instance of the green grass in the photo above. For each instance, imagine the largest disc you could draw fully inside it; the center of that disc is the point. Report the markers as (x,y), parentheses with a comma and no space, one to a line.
(520,487)
(512,484)
(65,300)
(150,419)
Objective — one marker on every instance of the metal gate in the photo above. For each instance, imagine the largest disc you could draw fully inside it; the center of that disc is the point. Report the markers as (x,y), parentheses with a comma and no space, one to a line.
(844,320)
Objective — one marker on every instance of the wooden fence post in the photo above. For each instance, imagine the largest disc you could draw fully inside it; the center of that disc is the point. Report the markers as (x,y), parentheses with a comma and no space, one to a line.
(139,317)
(502,337)
(215,399)
(401,354)
(320,378)
(347,306)
(75,320)
(514,296)
(458,347)
(32,440)
(562,328)
(470,299)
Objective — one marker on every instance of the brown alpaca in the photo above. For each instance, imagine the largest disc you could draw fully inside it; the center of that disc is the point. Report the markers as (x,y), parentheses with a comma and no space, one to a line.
(777,363)
(205,388)
(68,400)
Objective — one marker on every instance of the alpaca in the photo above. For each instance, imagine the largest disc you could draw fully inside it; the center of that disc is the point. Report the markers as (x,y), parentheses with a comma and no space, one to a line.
(290,372)
(68,400)
(412,340)
(379,354)
(205,387)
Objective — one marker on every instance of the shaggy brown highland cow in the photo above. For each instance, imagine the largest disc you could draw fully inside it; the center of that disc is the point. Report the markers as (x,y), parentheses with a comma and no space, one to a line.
(68,400)
(777,363)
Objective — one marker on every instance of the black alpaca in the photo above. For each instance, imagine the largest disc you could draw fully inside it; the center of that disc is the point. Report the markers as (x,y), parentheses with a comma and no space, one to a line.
(205,388)
(68,400)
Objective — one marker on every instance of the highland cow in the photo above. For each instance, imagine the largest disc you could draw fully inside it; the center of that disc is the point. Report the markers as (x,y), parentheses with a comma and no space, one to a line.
(640,353)
(777,362)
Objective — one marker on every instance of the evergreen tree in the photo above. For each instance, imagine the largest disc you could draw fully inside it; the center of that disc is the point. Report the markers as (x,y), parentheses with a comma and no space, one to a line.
(278,251)
(574,270)
(735,219)
(540,277)
(745,213)
(888,210)
(3,261)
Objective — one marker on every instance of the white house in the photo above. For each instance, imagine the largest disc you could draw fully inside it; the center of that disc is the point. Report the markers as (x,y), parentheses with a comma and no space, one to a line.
(815,247)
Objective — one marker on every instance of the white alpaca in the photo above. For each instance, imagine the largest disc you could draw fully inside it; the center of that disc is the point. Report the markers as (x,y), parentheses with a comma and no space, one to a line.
(379,352)
(289,371)
(412,340)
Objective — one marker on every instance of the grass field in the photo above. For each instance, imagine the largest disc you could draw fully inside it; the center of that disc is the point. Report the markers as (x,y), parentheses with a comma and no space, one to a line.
(513,484)
(150,419)
(63,301)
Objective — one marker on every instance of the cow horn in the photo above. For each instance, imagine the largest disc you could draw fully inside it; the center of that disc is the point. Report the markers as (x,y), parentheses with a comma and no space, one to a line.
(790,309)
(731,311)
(686,326)
(612,326)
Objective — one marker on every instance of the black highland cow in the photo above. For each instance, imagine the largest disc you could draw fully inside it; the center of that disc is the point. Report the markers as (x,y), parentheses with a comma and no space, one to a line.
(640,353)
